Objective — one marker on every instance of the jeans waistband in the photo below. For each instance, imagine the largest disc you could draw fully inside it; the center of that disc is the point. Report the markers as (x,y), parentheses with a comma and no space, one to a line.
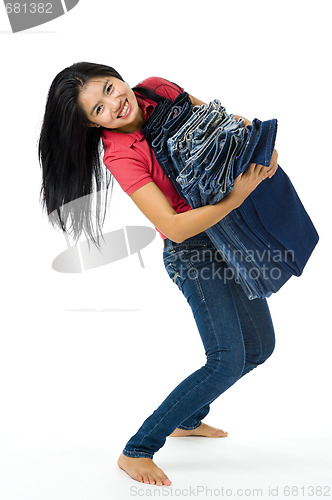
(189,242)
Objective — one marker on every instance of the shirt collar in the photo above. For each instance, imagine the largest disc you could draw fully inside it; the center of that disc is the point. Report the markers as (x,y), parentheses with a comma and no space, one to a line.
(121,139)
(147,105)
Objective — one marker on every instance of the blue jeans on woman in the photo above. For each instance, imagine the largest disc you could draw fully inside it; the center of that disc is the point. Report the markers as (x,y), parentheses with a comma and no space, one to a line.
(237,335)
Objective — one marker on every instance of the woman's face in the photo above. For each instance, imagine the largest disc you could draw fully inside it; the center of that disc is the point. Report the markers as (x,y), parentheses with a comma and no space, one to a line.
(110,102)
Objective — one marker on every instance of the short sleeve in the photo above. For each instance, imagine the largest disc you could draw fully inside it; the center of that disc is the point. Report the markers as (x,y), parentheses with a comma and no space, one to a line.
(161,86)
(129,170)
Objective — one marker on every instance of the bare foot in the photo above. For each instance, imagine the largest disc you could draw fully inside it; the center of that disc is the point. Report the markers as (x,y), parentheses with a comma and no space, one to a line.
(143,470)
(202,430)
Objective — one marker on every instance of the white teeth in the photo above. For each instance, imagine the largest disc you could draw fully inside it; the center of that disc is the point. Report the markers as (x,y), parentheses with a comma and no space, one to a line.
(124,111)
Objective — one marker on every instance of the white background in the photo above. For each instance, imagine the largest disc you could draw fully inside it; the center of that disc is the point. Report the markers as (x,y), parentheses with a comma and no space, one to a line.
(85,358)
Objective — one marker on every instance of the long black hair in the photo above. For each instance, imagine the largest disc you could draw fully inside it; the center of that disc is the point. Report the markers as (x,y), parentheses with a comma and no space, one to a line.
(70,153)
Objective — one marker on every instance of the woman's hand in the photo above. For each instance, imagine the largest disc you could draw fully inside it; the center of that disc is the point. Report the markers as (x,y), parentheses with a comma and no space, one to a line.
(247,182)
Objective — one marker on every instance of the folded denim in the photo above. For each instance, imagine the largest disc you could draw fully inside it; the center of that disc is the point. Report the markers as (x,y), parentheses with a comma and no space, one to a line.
(202,150)
(215,182)
(161,114)
(198,133)
(243,145)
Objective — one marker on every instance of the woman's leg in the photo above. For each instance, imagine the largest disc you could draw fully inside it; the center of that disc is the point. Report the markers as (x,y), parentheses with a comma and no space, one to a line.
(204,283)
(258,336)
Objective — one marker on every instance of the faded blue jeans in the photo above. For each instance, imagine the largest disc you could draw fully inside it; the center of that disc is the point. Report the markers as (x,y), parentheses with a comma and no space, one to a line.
(270,237)
(237,335)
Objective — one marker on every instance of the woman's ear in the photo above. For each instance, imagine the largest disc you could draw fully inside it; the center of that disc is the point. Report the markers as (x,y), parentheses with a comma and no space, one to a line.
(93,125)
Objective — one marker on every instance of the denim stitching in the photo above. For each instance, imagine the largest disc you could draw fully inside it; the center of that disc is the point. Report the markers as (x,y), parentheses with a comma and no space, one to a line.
(267,147)
(176,276)
(189,428)
(196,279)
(137,454)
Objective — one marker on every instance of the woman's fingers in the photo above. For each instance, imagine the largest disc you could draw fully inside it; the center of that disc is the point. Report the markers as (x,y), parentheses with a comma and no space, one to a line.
(260,170)
(255,168)
(273,165)
(272,168)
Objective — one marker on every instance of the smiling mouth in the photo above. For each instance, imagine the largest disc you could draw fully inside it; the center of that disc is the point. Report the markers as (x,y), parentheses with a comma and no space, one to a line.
(124,109)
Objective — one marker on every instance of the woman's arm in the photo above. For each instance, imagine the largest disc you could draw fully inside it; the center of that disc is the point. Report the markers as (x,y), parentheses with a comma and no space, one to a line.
(196,102)
(178,227)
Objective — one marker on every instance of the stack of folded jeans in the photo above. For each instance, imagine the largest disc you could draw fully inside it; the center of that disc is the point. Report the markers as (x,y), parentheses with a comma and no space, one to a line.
(202,149)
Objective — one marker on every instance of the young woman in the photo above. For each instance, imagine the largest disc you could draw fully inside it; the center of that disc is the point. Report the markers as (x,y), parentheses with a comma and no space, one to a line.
(90,105)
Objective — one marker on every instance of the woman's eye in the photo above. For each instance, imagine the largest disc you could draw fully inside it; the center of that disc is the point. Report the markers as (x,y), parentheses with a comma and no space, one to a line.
(108,90)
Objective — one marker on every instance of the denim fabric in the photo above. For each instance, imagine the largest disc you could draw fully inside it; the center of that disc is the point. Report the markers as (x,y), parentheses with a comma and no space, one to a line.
(198,134)
(161,114)
(237,336)
(256,267)
(246,144)
(275,212)
(215,182)
(190,193)
(160,125)
(202,150)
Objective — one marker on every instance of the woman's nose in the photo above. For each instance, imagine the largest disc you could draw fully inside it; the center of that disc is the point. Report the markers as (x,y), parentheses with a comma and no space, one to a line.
(115,101)
(114,104)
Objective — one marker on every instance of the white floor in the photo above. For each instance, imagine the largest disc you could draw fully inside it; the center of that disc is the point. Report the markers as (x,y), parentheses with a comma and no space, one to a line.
(73,393)
(240,465)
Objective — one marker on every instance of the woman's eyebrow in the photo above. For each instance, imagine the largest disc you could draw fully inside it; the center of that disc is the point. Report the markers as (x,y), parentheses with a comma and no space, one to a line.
(95,106)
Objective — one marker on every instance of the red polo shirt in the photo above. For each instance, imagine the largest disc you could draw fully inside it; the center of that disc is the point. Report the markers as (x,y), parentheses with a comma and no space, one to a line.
(129,158)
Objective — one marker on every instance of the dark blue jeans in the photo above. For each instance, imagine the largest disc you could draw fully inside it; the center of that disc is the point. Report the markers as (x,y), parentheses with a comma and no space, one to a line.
(237,335)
